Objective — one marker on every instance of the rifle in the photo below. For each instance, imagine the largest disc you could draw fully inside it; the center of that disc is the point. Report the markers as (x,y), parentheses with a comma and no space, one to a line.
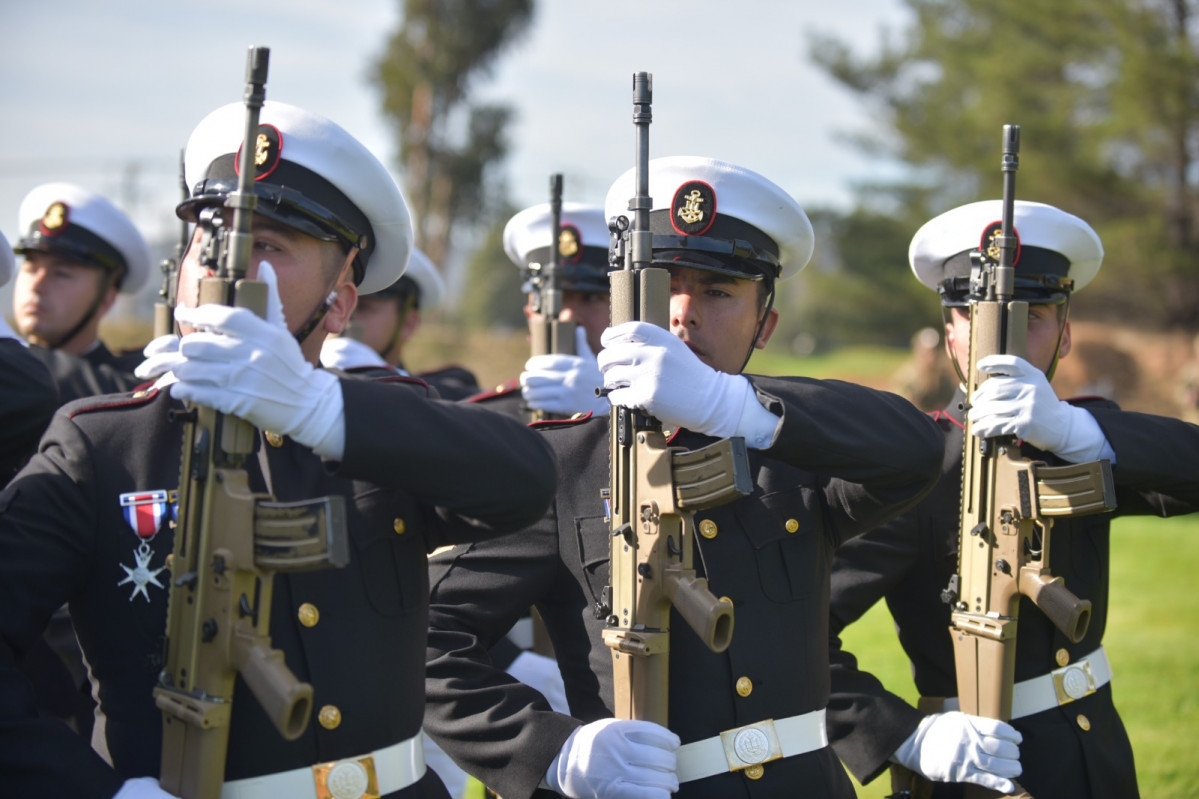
(229,541)
(655,490)
(1009,502)
(550,335)
(164,307)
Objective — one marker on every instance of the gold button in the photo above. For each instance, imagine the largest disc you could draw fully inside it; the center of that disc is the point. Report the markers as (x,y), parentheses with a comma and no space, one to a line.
(1062,657)
(792,525)
(308,614)
(398,526)
(170,561)
(329,717)
(745,686)
(707,528)
(274,439)
(755,771)
(1084,723)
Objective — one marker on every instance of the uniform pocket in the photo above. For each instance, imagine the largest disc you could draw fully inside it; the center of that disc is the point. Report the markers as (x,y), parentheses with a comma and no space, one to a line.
(387,532)
(786,531)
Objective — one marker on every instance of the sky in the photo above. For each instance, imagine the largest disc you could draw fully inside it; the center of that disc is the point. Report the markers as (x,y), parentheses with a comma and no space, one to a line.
(105,94)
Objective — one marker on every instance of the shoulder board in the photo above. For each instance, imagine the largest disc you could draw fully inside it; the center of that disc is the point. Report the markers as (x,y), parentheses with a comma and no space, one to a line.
(449,371)
(502,390)
(106,402)
(941,418)
(551,424)
(1092,399)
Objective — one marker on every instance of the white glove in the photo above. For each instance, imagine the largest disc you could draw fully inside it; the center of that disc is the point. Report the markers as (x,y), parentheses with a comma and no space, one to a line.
(142,788)
(616,759)
(343,352)
(538,671)
(564,384)
(253,368)
(1017,400)
(956,747)
(648,367)
(162,354)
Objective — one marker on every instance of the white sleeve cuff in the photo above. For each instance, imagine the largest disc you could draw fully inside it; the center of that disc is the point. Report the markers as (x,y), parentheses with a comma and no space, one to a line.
(758,426)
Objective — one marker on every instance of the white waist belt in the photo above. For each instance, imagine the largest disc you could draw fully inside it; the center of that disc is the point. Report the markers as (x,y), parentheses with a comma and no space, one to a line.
(752,745)
(1059,687)
(365,777)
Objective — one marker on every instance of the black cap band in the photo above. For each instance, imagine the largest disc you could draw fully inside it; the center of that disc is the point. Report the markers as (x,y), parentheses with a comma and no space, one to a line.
(729,245)
(587,272)
(1041,276)
(75,243)
(286,195)
(402,289)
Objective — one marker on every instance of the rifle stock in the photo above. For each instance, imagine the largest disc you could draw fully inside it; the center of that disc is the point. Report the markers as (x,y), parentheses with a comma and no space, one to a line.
(229,539)
(654,489)
(1008,504)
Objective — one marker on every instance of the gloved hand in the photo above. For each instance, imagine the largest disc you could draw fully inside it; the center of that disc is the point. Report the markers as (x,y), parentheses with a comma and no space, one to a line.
(616,759)
(538,671)
(564,384)
(956,747)
(142,788)
(1017,400)
(162,354)
(648,367)
(253,368)
(343,352)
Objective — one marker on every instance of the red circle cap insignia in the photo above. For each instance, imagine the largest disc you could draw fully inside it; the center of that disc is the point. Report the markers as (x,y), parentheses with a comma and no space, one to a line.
(268,151)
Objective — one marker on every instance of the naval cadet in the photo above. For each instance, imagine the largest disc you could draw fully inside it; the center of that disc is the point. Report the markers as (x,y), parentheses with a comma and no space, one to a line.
(559,383)
(79,251)
(1072,742)
(89,520)
(28,395)
(828,459)
(384,323)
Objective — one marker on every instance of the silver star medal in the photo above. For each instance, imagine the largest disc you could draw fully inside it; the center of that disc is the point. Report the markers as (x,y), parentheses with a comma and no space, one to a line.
(144,512)
(141,574)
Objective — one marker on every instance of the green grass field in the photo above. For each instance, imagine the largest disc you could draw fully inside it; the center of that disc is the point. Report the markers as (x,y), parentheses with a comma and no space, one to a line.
(1152,641)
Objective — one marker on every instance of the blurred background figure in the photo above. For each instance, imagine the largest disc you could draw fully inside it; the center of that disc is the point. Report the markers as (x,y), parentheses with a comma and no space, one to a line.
(385,321)
(925,378)
(79,251)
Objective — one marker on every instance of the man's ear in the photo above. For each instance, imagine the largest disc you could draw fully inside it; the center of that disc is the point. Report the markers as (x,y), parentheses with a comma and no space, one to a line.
(772,321)
(411,323)
(1066,345)
(342,309)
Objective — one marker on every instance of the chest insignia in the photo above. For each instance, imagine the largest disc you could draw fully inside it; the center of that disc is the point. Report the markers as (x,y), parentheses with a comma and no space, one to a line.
(145,512)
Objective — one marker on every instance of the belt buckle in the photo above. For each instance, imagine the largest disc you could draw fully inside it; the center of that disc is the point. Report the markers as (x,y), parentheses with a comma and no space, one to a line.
(1073,682)
(352,778)
(751,745)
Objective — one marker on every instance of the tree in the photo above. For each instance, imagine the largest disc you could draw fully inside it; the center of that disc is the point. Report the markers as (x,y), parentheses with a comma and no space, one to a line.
(448,145)
(858,288)
(493,297)
(1106,94)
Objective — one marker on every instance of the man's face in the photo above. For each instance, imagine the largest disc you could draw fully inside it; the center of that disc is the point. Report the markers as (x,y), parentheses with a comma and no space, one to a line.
(379,323)
(717,316)
(301,264)
(591,310)
(51,295)
(1045,322)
